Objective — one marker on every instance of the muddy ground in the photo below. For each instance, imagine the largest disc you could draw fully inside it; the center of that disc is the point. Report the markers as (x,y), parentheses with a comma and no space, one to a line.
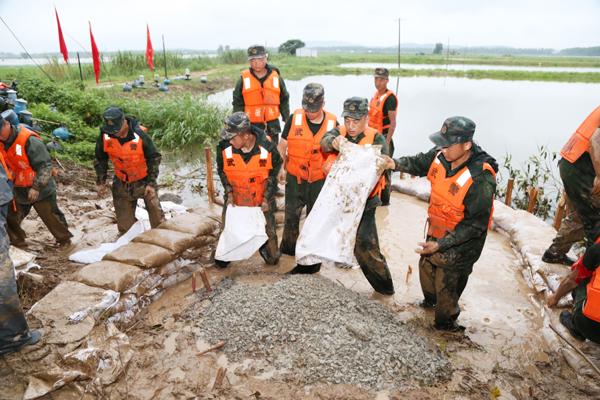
(501,355)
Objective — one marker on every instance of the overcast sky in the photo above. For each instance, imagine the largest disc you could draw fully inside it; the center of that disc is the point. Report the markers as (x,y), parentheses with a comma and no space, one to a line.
(120,24)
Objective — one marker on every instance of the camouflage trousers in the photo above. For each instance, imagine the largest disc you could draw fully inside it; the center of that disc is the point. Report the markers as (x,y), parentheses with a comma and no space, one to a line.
(270,250)
(587,327)
(578,179)
(297,196)
(125,197)
(386,193)
(50,214)
(369,257)
(12,319)
(442,283)
(569,233)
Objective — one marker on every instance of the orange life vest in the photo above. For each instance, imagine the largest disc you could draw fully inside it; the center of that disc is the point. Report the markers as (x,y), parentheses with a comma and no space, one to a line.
(369,136)
(3,157)
(446,208)
(591,305)
(579,142)
(128,158)
(17,160)
(376,110)
(248,180)
(261,101)
(305,158)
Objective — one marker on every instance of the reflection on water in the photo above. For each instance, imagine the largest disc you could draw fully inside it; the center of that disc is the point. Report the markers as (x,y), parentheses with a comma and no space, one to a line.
(511,116)
(467,67)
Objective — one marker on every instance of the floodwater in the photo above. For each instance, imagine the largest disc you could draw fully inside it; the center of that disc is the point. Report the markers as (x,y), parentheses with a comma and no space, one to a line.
(512,117)
(467,67)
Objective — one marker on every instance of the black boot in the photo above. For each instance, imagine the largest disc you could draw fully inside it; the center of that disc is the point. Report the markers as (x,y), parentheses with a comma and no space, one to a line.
(28,339)
(566,319)
(305,269)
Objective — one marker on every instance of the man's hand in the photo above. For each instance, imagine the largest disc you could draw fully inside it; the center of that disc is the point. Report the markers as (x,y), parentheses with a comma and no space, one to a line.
(427,248)
(552,300)
(596,186)
(265,205)
(389,162)
(150,192)
(281,175)
(33,195)
(101,189)
(337,142)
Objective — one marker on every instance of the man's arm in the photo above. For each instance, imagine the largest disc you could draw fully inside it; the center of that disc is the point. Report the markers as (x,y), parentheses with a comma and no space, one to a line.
(238,98)
(40,161)
(276,162)
(284,100)
(416,165)
(327,140)
(595,156)
(100,162)
(219,156)
(390,110)
(153,158)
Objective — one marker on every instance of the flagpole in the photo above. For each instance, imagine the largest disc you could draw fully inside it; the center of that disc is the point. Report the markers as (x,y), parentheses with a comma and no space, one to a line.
(79,63)
(165,56)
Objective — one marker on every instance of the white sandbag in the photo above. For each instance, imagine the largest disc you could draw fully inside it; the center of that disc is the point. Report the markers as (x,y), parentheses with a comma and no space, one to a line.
(329,232)
(243,235)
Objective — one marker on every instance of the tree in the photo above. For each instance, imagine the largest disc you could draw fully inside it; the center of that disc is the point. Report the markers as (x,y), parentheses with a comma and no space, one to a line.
(438,48)
(291,46)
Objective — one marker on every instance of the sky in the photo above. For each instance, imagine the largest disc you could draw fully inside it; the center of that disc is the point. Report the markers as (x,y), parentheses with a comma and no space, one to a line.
(121,24)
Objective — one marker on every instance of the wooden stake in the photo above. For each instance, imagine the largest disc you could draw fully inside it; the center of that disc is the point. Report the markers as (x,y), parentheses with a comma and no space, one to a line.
(213,348)
(193,282)
(560,211)
(533,194)
(209,175)
(401,175)
(509,189)
(219,378)
(205,280)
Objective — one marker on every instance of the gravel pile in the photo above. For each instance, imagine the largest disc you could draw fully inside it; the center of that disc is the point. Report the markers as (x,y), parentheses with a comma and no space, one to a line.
(313,330)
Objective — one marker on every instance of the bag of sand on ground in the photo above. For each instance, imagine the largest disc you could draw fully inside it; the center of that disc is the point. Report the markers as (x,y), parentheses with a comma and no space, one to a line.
(243,234)
(329,232)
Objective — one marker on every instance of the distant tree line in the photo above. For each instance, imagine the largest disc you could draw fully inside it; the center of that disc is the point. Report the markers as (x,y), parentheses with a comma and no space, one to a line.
(581,51)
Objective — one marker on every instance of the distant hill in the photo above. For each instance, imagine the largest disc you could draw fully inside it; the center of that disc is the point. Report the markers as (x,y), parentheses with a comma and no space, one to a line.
(581,51)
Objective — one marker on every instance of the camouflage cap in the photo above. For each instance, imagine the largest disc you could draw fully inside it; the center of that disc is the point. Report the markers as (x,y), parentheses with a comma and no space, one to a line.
(312,97)
(454,130)
(235,124)
(382,73)
(355,107)
(113,118)
(256,51)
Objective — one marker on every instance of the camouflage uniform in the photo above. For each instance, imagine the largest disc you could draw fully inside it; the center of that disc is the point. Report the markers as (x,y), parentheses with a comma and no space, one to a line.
(237,122)
(125,195)
(444,274)
(271,128)
(368,254)
(570,232)
(46,205)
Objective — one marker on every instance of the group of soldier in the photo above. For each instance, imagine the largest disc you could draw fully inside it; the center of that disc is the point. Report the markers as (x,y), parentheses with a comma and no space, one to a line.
(254,155)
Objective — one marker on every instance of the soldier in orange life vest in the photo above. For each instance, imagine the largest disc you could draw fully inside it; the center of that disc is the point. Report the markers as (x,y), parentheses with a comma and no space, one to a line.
(30,165)
(584,284)
(261,93)
(463,182)
(135,160)
(367,252)
(580,173)
(382,117)
(248,163)
(303,172)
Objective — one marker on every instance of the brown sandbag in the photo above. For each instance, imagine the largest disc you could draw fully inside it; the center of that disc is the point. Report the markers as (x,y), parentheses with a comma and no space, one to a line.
(174,241)
(141,254)
(108,275)
(191,223)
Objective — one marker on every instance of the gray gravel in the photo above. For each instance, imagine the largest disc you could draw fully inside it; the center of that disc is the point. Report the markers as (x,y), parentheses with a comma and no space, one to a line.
(313,331)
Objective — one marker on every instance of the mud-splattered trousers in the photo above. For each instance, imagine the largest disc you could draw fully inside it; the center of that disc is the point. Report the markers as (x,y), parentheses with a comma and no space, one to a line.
(570,232)
(578,179)
(125,197)
(12,319)
(297,196)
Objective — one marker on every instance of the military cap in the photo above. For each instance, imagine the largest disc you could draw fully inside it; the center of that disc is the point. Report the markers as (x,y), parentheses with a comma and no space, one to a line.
(113,118)
(382,73)
(312,97)
(355,107)
(235,124)
(454,130)
(256,51)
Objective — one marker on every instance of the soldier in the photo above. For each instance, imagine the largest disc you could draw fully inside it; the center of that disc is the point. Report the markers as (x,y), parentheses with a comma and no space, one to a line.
(30,165)
(301,141)
(463,183)
(261,93)
(135,160)
(580,172)
(248,164)
(382,117)
(367,252)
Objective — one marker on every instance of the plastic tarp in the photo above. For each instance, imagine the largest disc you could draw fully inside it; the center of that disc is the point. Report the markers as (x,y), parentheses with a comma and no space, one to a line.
(243,234)
(329,232)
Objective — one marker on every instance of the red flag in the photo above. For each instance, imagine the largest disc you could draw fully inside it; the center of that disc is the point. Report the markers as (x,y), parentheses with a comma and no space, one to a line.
(95,55)
(149,50)
(61,39)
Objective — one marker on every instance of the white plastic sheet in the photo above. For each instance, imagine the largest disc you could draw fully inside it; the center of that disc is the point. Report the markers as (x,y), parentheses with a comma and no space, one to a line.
(329,232)
(243,234)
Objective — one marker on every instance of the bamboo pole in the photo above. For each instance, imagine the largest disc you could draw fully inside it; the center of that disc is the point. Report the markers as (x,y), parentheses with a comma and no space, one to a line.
(560,211)
(533,194)
(205,280)
(509,189)
(209,175)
